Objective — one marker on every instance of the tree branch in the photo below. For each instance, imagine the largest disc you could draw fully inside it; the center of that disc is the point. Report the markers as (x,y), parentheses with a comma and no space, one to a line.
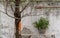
(12,8)
(31,15)
(20,12)
(24,7)
(9,15)
(7,11)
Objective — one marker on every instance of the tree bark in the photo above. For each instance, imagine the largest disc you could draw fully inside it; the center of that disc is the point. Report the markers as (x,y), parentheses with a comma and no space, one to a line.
(18,15)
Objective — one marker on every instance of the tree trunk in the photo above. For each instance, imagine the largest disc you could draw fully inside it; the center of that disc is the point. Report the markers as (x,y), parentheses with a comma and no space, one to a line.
(18,15)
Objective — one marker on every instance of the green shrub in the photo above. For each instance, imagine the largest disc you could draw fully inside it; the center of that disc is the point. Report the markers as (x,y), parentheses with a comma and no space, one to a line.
(42,23)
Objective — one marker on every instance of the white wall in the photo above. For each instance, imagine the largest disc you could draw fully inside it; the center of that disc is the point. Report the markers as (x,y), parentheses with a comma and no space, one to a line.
(54,20)
(7,25)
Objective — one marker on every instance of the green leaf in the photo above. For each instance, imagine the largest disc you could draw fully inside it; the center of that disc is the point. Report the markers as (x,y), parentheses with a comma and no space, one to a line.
(42,23)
